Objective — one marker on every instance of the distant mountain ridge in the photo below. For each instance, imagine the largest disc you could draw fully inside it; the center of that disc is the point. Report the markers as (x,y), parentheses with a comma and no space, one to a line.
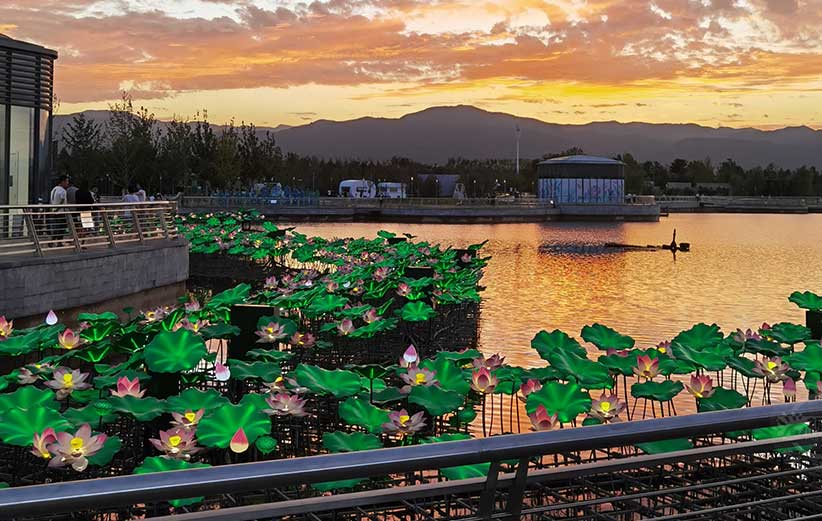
(436,134)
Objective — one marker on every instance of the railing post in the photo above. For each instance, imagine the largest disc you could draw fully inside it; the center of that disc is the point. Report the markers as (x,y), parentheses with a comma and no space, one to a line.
(107,226)
(517,490)
(73,229)
(489,493)
(33,231)
(135,215)
(163,222)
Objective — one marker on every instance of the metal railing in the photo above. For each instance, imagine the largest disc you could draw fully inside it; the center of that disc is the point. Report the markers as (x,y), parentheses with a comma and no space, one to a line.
(611,482)
(41,230)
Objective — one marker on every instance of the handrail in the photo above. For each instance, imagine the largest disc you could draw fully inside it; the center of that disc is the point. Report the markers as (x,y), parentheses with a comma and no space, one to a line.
(124,490)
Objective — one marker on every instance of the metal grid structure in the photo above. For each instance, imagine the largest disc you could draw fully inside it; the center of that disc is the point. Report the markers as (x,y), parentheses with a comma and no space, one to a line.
(40,230)
(591,473)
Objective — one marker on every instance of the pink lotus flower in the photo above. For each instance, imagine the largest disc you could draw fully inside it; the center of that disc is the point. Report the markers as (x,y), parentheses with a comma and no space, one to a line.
(345,327)
(284,404)
(664,347)
(270,333)
(176,443)
(221,372)
(416,377)
(403,289)
(302,339)
(75,449)
(466,258)
(239,442)
(6,327)
(646,367)
(607,408)
(68,339)
(773,369)
(270,283)
(41,443)
(483,381)
(531,386)
(410,357)
(765,326)
(332,286)
(188,420)
(492,363)
(789,389)
(127,387)
(743,336)
(618,352)
(65,381)
(380,274)
(700,386)
(192,305)
(153,316)
(400,422)
(370,316)
(541,420)
(194,327)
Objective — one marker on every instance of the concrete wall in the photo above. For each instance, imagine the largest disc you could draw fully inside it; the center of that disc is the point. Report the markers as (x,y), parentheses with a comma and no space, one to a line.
(33,286)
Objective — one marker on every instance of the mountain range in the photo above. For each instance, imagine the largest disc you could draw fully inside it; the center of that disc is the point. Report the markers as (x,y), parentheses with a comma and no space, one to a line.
(436,134)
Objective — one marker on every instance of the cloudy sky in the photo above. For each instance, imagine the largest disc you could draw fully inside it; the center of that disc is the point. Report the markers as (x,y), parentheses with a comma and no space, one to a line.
(713,62)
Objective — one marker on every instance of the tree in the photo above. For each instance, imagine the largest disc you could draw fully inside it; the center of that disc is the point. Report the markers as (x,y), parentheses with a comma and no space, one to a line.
(132,156)
(81,156)
(176,156)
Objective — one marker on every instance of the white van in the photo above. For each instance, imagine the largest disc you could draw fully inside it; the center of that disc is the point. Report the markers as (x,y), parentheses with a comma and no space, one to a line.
(392,190)
(358,188)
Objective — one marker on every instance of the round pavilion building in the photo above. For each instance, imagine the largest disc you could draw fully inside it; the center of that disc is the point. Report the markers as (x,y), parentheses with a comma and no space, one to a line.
(581,180)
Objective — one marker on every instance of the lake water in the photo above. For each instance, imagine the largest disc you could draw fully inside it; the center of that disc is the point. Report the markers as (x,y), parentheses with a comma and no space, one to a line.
(739,273)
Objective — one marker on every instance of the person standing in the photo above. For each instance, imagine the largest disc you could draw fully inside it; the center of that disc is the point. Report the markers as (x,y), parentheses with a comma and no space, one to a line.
(141,194)
(71,193)
(58,197)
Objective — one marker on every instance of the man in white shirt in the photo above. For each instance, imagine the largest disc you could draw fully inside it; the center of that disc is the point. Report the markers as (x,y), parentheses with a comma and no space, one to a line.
(58,222)
(58,193)
(141,194)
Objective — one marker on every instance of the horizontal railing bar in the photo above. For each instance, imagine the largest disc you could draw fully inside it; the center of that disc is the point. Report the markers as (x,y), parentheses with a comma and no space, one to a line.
(140,205)
(333,467)
(384,496)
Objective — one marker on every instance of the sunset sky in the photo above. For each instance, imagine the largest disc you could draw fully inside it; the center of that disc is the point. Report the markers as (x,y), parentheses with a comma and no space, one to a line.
(713,62)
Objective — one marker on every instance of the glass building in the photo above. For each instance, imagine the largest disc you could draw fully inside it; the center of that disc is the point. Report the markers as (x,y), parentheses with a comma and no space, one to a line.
(26,93)
(581,180)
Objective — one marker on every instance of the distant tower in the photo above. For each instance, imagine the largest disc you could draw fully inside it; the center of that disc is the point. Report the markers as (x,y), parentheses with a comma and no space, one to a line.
(518,131)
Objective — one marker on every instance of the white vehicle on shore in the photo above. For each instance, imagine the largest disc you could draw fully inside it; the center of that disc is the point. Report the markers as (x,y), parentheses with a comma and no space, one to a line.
(358,189)
(392,190)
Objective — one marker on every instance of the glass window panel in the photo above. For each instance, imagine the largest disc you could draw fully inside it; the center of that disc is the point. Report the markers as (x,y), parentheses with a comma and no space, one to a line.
(21,155)
(4,180)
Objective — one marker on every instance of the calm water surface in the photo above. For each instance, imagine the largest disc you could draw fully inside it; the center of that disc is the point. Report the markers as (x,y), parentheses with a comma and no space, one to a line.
(739,273)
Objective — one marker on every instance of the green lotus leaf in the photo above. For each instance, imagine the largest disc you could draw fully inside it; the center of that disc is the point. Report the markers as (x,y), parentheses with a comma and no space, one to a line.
(21,344)
(229,297)
(543,374)
(339,383)
(699,337)
(144,409)
(712,358)
(722,399)
(417,312)
(567,401)
(811,381)
(618,364)
(659,447)
(457,436)
(388,395)
(327,303)
(356,441)
(590,420)
(220,331)
(98,331)
(480,470)
(89,414)
(466,415)
(18,426)
(807,300)
(767,347)
(195,399)
(588,374)
(103,457)
(659,391)
(172,352)
(289,326)
(434,400)
(546,343)
(329,486)
(370,372)
(369,330)
(360,412)
(788,333)
(28,397)
(161,464)
(744,366)
(255,400)
(270,355)
(449,376)
(267,372)
(217,429)
(266,444)
(606,338)
(783,431)
(103,382)
(85,396)
(460,357)
(94,317)
(809,359)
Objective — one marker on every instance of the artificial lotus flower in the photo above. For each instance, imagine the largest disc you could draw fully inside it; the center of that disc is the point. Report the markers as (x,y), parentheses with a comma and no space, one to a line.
(466,258)
(400,422)
(607,408)
(483,381)
(302,339)
(370,316)
(75,449)
(664,347)
(188,420)
(153,315)
(618,352)
(51,318)
(530,386)
(701,386)
(284,404)
(417,377)
(65,381)
(239,442)
(221,372)
(25,376)
(195,326)
(176,443)
(743,336)
(492,363)
(646,367)
(541,420)
(128,387)
(332,286)
(765,326)
(380,274)
(6,327)
(345,327)
(270,282)
(271,332)
(789,389)
(192,305)
(773,369)
(409,357)
(68,339)
(403,289)
(41,443)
